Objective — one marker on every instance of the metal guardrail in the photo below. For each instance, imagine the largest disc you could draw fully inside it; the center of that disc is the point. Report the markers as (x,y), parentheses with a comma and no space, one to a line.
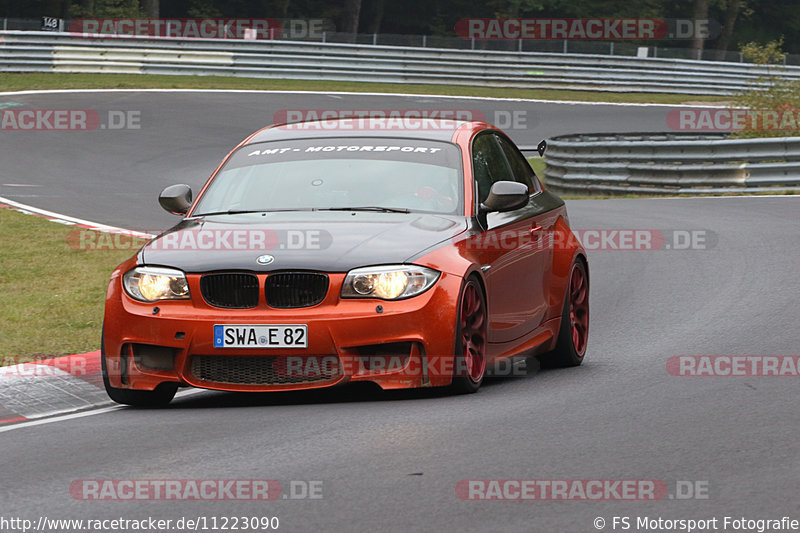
(62,52)
(671,163)
(325,33)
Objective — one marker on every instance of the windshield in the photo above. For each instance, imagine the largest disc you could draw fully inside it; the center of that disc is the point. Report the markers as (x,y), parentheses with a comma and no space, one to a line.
(400,174)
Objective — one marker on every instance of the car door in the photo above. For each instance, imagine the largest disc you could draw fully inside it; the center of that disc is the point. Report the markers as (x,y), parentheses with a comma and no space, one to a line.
(507,249)
(542,231)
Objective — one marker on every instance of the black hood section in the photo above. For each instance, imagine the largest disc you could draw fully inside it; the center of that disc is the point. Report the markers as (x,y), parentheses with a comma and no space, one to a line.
(321,240)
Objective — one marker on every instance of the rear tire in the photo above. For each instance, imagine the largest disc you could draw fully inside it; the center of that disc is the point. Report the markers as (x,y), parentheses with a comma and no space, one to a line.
(574,331)
(471,331)
(158,397)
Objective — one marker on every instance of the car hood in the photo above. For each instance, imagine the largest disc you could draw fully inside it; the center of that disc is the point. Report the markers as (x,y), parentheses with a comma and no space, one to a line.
(320,240)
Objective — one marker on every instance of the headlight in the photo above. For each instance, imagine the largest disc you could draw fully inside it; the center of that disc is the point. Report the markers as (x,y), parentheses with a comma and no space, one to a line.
(393,282)
(150,284)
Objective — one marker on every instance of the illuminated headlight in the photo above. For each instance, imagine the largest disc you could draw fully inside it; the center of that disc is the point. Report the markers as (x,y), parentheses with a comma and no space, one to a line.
(150,284)
(392,282)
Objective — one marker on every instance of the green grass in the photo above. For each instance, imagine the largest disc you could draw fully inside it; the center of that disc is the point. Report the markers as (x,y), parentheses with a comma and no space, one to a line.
(538,165)
(25,81)
(51,295)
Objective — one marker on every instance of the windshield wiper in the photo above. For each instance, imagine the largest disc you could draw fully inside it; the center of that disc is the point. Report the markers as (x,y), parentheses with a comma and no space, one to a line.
(245,211)
(368,208)
(281,210)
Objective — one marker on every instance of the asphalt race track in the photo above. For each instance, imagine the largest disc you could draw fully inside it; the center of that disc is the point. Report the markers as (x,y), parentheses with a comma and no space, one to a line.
(391,461)
(114,177)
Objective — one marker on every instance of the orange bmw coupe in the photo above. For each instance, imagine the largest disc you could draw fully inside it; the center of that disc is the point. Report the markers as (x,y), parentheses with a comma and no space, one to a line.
(325,253)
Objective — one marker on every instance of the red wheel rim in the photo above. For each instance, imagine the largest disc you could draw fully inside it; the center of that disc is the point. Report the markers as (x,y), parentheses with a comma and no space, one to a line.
(579,308)
(473,332)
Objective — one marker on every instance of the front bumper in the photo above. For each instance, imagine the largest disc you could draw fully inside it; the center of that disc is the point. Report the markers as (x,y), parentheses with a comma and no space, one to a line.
(408,344)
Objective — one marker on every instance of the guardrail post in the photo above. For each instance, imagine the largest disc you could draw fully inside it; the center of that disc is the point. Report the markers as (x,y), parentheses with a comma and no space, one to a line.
(374,39)
(323,36)
(520,44)
(473,43)
(611,48)
(424,41)
(565,46)
(5,24)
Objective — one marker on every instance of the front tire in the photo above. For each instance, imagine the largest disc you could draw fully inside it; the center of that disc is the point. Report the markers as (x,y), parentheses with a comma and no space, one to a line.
(158,397)
(471,333)
(573,334)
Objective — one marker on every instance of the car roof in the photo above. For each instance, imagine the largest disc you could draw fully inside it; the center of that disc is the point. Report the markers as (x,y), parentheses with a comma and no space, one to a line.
(407,128)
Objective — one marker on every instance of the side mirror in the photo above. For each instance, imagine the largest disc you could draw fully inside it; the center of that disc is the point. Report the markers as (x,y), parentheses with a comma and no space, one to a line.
(541,148)
(177,199)
(506,196)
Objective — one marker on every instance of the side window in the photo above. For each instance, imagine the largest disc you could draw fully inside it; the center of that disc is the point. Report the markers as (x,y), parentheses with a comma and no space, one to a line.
(488,163)
(523,172)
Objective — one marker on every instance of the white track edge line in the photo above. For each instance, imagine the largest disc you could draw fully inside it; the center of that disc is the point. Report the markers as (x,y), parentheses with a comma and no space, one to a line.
(355,93)
(73,220)
(90,412)
(60,418)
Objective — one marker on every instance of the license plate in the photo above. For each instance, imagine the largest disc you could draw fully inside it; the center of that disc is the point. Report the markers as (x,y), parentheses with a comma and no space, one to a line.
(260,336)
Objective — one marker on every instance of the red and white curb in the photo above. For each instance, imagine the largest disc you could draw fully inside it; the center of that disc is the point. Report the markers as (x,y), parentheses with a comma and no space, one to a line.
(68,220)
(48,387)
(55,386)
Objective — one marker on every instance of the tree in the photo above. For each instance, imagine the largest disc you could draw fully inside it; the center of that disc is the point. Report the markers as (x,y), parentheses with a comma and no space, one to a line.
(351,14)
(150,8)
(731,13)
(203,9)
(700,13)
(513,8)
(283,8)
(375,17)
(772,93)
(86,8)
